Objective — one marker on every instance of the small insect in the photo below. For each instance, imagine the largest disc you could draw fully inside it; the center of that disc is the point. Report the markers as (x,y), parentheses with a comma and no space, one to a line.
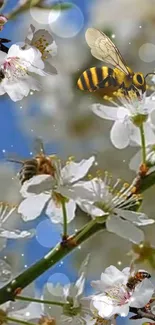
(137,278)
(39,164)
(104,79)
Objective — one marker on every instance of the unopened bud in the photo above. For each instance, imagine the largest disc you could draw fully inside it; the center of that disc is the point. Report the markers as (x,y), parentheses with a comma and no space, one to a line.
(3,21)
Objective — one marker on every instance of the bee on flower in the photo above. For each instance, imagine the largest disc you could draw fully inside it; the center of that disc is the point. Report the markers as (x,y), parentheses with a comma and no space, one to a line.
(50,192)
(113,297)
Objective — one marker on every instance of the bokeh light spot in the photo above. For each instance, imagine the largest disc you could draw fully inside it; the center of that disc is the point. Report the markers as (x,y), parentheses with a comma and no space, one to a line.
(44,16)
(47,233)
(147,52)
(55,281)
(69,23)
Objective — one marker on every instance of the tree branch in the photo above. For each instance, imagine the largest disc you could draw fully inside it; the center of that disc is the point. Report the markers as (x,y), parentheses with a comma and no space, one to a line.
(141,313)
(9,291)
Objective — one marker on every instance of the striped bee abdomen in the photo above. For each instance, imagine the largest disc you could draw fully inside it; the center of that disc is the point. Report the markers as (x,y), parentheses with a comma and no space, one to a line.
(94,78)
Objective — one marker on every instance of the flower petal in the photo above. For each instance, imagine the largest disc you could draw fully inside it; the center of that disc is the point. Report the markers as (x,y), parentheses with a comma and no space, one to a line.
(106,112)
(32,311)
(109,278)
(149,134)
(55,213)
(90,208)
(142,294)
(32,206)
(15,234)
(120,136)
(124,229)
(135,161)
(138,218)
(72,172)
(37,184)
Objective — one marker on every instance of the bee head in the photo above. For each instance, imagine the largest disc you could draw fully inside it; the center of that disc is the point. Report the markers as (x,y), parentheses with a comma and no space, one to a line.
(139,81)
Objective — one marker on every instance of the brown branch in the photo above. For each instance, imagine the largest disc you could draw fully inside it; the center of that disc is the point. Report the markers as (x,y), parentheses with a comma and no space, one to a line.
(141,313)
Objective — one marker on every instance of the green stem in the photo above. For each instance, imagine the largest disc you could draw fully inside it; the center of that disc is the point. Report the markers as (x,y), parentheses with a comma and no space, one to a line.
(64,219)
(9,291)
(142,134)
(49,302)
(18,321)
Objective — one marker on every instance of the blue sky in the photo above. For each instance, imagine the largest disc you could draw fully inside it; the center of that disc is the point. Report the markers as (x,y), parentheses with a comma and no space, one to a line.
(13,140)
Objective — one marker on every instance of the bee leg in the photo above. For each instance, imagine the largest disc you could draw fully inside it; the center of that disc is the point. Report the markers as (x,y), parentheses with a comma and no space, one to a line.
(124,89)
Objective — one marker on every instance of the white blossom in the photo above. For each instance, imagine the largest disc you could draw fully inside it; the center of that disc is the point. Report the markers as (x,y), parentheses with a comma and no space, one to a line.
(6,212)
(47,192)
(33,311)
(19,69)
(114,297)
(128,117)
(42,40)
(115,201)
(73,311)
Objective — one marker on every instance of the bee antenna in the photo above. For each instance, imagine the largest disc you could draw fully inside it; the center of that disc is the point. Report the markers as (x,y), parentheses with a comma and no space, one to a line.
(149,74)
(16,161)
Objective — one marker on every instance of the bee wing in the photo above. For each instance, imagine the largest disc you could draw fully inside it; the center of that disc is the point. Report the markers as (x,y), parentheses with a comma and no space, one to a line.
(102,48)
(39,147)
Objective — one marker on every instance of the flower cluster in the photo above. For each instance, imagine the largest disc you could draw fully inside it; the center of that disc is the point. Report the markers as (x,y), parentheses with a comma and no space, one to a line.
(99,198)
(117,293)
(21,65)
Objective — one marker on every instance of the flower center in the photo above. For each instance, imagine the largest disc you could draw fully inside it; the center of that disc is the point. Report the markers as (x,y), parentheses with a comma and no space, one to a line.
(69,309)
(41,44)
(13,68)
(58,199)
(139,119)
(118,295)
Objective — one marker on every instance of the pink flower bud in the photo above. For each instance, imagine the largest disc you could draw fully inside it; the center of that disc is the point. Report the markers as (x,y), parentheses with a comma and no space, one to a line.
(3,21)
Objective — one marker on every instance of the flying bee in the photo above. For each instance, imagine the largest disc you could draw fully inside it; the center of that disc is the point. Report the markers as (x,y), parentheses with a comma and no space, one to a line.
(136,279)
(104,79)
(39,164)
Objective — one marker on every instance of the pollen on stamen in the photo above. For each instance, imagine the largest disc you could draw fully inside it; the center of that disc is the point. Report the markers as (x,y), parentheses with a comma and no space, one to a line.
(71,158)
(99,173)
(90,176)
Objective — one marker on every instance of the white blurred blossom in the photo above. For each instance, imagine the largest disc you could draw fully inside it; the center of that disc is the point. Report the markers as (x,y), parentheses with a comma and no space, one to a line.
(6,212)
(125,16)
(49,192)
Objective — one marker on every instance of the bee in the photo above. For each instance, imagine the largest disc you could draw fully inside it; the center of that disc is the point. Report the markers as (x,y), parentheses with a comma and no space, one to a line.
(39,164)
(136,279)
(104,79)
